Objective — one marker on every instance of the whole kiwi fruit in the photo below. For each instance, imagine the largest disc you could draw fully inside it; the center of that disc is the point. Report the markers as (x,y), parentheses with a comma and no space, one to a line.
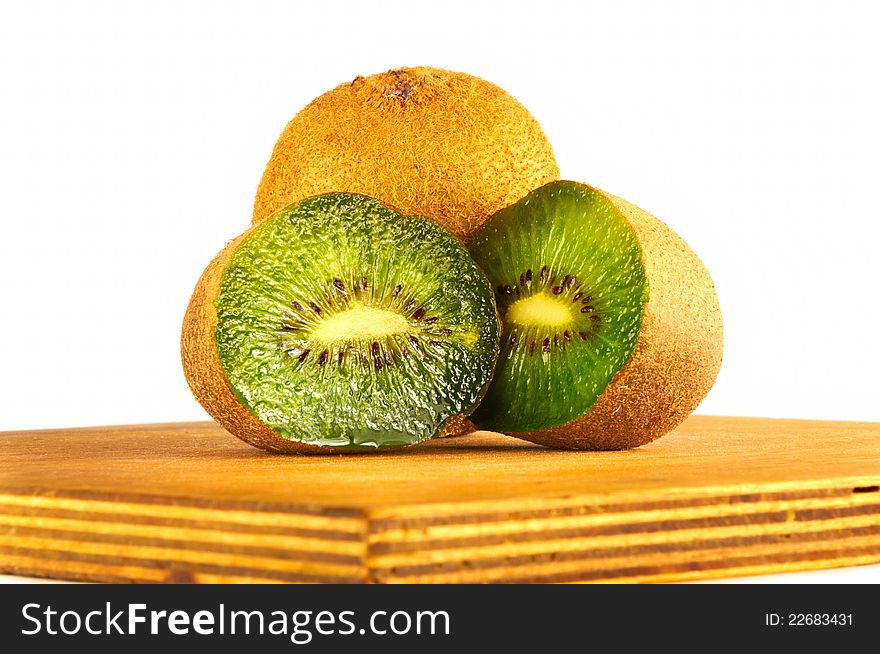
(339,324)
(426,141)
(612,331)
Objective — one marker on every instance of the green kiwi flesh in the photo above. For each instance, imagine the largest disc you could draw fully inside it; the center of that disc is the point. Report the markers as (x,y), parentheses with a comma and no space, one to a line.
(342,323)
(567,273)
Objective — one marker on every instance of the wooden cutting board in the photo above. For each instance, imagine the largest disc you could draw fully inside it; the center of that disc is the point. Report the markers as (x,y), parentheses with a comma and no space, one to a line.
(188,502)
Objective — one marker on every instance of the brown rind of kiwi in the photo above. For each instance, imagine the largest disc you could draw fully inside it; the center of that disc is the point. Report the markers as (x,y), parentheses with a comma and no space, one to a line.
(208,383)
(426,141)
(459,425)
(676,359)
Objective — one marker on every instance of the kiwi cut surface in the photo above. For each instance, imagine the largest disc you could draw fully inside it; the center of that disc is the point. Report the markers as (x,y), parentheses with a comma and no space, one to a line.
(427,141)
(569,282)
(339,323)
(611,327)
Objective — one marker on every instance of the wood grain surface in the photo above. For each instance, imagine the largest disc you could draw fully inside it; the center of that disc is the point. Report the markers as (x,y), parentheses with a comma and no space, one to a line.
(189,503)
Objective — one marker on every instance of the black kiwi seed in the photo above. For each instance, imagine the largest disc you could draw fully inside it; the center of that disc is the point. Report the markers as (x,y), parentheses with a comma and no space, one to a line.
(364,283)
(435,343)
(522,279)
(323,358)
(409,305)
(567,336)
(508,290)
(595,318)
(546,344)
(338,284)
(584,336)
(529,276)
(577,296)
(419,314)
(556,340)
(431,320)
(315,308)
(512,340)
(586,309)
(396,291)
(557,290)
(377,359)
(543,273)
(445,331)
(571,281)
(414,341)
(296,305)
(302,357)
(565,280)
(587,299)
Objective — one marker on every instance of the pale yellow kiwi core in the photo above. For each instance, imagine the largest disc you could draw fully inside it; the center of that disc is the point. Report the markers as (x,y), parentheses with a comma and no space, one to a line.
(360,322)
(539,310)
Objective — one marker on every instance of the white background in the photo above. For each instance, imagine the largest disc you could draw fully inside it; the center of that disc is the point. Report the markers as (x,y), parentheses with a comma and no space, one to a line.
(133,136)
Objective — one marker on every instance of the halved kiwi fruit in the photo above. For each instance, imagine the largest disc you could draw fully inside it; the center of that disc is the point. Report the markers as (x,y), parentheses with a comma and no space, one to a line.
(612,330)
(338,323)
(432,142)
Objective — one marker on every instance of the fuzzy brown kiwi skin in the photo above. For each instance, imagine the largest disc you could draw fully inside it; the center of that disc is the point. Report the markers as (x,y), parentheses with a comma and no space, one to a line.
(677,356)
(208,383)
(430,142)
(459,425)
